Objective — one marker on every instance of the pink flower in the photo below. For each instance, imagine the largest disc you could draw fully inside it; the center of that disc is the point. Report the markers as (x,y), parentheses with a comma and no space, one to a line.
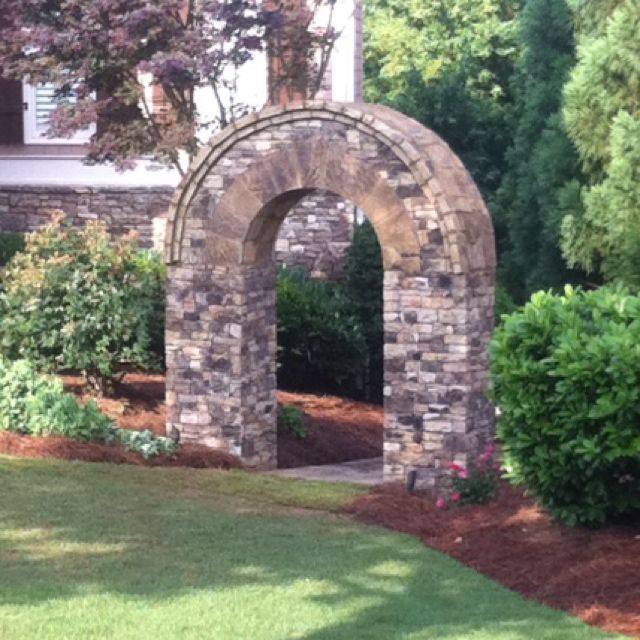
(487,455)
(464,474)
(455,497)
(456,468)
(441,503)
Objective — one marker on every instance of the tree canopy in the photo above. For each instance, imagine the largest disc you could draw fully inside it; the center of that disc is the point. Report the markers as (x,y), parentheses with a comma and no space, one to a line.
(102,55)
(602,116)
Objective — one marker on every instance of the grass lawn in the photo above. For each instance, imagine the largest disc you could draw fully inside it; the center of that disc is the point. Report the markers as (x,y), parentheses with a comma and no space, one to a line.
(98,551)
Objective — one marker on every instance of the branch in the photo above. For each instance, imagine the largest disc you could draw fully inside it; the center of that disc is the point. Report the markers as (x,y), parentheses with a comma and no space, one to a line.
(175,160)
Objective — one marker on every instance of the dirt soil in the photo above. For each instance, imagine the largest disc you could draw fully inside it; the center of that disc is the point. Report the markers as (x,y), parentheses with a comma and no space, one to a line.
(594,574)
(338,430)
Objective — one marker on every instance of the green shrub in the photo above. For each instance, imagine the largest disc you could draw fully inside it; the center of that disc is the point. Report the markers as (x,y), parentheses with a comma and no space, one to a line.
(320,342)
(504,304)
(10,244)
(363,280)
(33,404)
(76,300)
(290,421)
(151,273)
(566,376)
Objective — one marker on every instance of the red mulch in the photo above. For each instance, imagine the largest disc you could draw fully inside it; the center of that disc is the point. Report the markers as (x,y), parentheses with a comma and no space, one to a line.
(338,429)
(594,574)
(195,456)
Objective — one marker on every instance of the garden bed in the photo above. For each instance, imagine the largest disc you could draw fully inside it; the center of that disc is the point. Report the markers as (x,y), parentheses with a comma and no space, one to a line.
(338,429)
(194,456)
(594,574)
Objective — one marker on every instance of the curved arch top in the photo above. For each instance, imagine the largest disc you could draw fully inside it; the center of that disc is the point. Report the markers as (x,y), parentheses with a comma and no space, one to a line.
(464,220)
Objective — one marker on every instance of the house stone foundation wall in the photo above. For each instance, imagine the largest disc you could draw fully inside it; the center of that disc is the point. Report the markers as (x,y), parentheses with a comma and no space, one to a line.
(439,262)
(24,208)
(315,236)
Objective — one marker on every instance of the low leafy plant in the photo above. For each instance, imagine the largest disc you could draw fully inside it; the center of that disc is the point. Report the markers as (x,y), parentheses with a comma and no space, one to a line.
(37,405)
(76,299)
(146,443)
(290,421)
(33,404)
(566,376)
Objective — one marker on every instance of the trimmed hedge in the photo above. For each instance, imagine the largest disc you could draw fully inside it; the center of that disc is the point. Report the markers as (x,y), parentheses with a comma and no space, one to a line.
(566,376)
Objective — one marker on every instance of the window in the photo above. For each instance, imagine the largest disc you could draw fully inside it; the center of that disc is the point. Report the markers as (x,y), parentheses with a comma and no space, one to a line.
(40,101)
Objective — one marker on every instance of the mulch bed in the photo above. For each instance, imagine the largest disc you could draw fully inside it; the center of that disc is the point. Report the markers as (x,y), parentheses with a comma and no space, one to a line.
(594,574)
(338,430)
(194,456)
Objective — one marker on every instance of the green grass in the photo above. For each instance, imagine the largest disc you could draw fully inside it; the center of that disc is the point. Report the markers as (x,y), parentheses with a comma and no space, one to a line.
(98,551)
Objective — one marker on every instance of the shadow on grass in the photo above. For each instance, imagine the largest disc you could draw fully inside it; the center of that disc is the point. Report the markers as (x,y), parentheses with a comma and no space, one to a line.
(69,532)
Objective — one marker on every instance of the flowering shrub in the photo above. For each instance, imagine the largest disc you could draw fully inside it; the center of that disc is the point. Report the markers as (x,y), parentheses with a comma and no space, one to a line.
(75,299)
(475,484)
(478,483)
(566,376)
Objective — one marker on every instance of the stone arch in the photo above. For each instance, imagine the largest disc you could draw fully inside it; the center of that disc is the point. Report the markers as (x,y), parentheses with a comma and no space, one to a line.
(439,263)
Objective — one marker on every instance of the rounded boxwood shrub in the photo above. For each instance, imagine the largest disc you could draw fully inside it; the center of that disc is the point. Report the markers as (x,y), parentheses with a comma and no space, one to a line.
(76,299)
(566,377)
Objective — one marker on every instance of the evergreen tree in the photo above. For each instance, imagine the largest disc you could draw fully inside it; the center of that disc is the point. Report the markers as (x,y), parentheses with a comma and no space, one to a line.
(602,115)
(448,64)
(543,164)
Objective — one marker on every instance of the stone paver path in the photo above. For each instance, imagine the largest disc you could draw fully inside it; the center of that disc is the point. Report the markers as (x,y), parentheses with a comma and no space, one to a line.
(367,471)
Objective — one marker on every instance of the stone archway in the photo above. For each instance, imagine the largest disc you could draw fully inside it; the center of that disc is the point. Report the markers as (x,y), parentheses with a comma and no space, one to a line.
(439,263)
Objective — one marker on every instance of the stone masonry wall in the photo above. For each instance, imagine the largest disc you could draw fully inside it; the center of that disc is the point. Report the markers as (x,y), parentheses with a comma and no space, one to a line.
(315,236)
(25,208)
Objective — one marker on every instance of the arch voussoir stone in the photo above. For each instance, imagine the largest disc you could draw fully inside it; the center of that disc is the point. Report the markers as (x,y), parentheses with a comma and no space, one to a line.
(439,264)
